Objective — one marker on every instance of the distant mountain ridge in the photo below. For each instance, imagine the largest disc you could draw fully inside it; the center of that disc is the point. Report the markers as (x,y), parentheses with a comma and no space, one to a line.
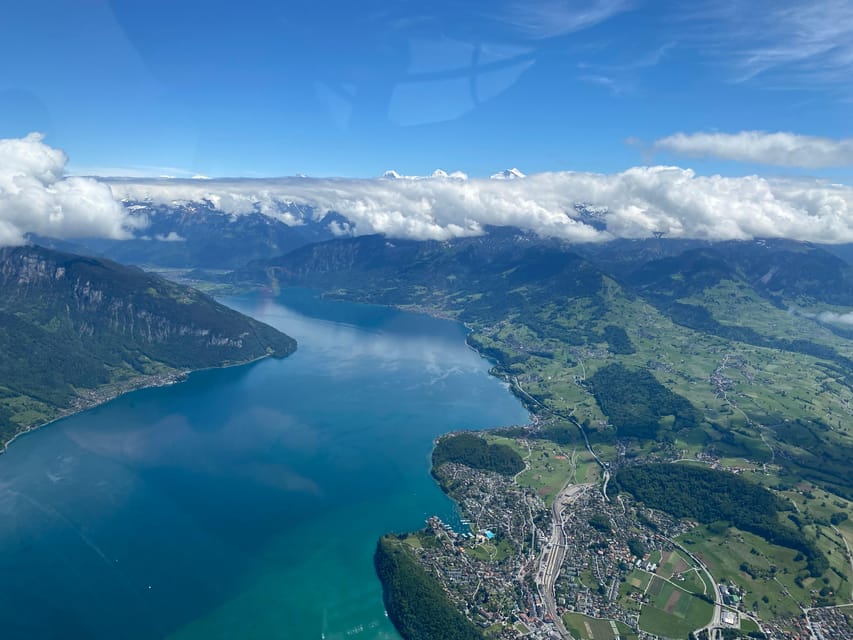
(506,267)
(783,271)
(545,310)
(69,325)
(199,235)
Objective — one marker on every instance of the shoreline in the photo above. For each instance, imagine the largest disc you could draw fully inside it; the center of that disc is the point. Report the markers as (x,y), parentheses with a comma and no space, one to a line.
(81,404)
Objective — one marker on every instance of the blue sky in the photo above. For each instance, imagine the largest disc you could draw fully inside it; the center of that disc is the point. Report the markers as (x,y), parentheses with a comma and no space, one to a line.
(264,88)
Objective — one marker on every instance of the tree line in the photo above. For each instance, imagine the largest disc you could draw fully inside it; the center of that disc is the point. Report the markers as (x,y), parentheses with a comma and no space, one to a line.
(415,601)
(708,495)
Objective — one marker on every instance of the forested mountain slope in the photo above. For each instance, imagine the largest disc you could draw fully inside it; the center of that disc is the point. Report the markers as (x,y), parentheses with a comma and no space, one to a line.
(74,330)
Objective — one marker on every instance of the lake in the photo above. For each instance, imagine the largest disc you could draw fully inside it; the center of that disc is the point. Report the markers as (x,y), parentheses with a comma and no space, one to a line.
(244,502)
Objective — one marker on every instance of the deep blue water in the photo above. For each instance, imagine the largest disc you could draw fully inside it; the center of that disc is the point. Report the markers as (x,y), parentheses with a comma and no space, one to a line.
(244,502)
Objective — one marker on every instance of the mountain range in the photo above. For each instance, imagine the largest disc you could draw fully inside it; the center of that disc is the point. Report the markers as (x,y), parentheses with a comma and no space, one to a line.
(549,313)
(198,235)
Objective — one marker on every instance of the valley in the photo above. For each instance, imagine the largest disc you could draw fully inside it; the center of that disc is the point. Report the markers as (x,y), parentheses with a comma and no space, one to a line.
(700,366)
(685,362)
(426,320)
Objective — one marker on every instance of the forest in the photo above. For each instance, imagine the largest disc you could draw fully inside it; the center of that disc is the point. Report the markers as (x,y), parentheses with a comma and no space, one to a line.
(617,340)
(415,601)
(708,495)
(474,452)
(634,402)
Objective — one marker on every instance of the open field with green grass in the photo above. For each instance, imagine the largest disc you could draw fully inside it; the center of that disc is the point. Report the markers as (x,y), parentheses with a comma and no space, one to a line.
(585,628)
(767,572)
(672,563)
(816,509)
(753,415)
(550,466)
(672,612)
(676,567)
(748,626)
(730,300)
(490,552)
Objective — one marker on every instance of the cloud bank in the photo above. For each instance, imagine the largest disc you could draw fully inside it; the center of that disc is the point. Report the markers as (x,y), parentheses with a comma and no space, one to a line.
(780,149)
(638,202)
(36,198)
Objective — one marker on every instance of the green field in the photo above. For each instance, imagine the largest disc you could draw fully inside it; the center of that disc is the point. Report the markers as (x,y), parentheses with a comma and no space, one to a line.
(771,593)
(677,567)
(692,580)
(549,466)
(672,563)
(490,552)
(748,626)
(770,389)
(585,628)
(673,612)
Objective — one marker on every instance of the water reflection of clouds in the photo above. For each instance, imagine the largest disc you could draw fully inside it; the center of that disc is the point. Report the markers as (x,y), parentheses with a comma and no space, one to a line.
(239,447)
(349,346)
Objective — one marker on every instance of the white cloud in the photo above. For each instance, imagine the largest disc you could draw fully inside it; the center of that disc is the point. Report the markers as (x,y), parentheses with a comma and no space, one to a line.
(784,42)
(781,149)
(831,317)
(639,202)
(36,198)
(550,18)
(170,237)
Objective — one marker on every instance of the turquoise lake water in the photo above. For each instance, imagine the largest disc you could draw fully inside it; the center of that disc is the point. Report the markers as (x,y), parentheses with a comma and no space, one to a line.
(244,502)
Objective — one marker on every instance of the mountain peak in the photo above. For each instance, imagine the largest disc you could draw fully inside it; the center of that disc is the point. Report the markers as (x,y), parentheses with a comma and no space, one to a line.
(508,174)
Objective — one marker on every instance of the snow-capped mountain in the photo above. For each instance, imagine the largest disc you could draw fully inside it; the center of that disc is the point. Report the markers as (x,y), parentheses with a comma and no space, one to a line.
(439,174)
(508,174)
(594,216)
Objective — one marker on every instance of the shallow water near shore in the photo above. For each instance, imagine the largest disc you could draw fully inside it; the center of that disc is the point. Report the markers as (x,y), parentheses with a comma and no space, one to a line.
(245,502)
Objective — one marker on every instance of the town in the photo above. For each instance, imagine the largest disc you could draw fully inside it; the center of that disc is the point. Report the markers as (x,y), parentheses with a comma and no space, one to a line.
(584,565)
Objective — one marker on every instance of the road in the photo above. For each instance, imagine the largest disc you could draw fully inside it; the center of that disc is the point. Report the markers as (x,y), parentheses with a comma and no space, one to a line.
(716,618)
(514,381)
(555,552)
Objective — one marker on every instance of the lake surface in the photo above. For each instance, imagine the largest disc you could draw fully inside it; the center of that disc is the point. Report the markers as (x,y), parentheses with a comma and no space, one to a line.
(244,502)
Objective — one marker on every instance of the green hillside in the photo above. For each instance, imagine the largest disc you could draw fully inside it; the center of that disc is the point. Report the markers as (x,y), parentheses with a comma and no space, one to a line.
(76,330)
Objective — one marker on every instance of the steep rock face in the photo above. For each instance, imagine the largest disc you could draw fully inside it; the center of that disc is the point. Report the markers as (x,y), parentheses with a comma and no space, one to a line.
(101,298)
(70,323)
